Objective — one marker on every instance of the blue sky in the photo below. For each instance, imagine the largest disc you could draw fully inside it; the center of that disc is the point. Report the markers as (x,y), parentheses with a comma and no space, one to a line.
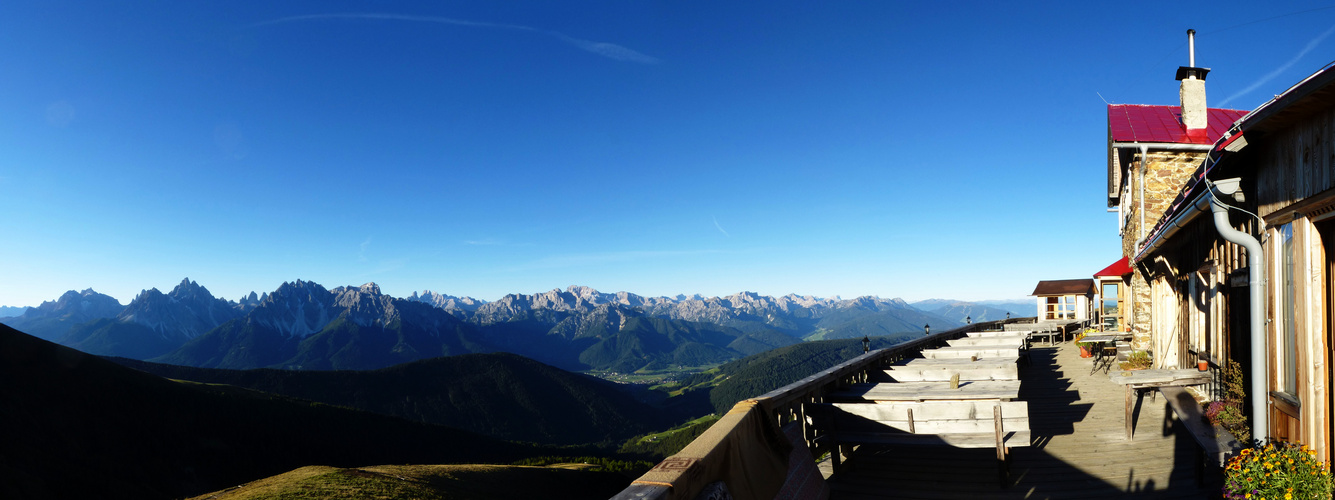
(895,149)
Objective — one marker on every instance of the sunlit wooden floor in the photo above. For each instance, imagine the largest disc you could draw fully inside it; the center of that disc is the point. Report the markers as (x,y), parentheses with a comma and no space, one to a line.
(1079,448)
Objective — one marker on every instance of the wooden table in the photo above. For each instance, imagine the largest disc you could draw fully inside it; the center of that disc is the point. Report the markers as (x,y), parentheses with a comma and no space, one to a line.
(1135,380)
(997,390)
(971,351)
(925,370)
(1050,334)
(1103,341)
(1004,334)
(987,342)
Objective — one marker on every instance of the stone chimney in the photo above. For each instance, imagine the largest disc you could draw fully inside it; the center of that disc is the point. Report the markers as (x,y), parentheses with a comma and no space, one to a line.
(1193,89)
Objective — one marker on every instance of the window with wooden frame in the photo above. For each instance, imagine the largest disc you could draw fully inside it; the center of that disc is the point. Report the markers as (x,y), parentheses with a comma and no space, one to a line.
(1287,346)
(1111,307)
(1200,310)
(1061,307)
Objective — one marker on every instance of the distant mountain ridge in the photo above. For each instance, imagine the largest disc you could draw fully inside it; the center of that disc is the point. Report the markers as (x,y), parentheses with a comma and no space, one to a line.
(54,318)
(155,323)
(959,310)
(11,311)
(302,325)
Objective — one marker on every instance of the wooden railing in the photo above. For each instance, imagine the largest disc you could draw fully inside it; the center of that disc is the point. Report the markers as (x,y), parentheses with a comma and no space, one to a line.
(785,405)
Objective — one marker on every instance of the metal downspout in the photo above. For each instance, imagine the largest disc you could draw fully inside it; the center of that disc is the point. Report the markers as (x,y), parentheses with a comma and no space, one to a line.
(1255,271)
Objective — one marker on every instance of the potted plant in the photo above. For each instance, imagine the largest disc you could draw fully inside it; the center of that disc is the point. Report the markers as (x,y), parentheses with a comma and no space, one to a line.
(1137,360)
(1084,346)
(1276,470)
(1227,412)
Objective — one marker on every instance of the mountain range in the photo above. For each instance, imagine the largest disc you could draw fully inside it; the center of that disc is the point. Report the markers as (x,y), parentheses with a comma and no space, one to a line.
(11,311)
(304,326)
(961,311)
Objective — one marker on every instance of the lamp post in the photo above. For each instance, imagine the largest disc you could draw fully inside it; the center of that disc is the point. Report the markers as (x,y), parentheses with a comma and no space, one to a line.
(1008,315)
(866,344)
(968,320)
(927,329)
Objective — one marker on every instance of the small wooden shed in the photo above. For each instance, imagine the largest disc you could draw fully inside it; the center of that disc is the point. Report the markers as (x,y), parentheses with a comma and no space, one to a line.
(1064,299)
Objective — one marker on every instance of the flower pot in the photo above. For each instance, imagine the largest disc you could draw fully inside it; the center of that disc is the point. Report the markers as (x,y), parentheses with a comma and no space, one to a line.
(1084,353)
(1203,365)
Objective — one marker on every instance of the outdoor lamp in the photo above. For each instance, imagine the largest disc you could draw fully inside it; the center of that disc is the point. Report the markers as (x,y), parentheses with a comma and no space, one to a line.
(1008,315)
(968,320)
(927,329)
(866,344)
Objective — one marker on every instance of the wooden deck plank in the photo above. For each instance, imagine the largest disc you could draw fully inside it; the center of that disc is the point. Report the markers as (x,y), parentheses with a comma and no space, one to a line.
(1078,448)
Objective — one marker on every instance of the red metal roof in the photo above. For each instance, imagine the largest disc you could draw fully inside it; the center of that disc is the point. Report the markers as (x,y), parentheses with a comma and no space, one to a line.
(1120,268)
(1146,123)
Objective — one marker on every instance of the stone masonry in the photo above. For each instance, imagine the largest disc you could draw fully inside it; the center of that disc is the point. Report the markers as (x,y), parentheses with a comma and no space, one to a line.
(1166,173)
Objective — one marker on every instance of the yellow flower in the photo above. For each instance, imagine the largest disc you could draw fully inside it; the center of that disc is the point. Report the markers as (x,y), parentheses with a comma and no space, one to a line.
(1288,496)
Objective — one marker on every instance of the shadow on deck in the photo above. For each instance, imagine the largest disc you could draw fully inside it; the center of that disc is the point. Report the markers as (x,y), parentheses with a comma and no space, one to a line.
(1079,448)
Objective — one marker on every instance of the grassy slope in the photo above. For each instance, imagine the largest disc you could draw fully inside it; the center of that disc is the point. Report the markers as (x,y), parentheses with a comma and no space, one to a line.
(501,395)
(429,482)
(78,426)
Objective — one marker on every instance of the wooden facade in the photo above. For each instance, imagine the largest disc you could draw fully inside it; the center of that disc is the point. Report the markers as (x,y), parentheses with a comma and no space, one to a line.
(1200,299)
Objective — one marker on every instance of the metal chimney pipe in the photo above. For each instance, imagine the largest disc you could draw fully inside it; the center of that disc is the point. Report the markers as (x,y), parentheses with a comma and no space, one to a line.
(1191,47)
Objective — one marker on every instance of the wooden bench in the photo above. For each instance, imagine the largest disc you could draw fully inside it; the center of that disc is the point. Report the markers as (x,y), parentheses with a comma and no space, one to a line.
(961,424)
(1214,444)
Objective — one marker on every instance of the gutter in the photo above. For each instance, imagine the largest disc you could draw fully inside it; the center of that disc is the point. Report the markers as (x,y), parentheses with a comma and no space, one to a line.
(1256,283)
(1256,286)
(1169,146)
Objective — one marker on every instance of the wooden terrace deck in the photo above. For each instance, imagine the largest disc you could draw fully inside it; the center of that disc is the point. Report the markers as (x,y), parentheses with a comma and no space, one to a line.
(1079,448)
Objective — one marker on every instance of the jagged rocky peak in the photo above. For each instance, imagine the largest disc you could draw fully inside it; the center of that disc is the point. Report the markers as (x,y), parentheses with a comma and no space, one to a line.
(556,299)
(629,299)
(86,301)
(247,303)
(249,300)
(186,312)
(147,295)
(186,286)
(365,305)
(584,292)
(864,302)
(447,302)
(296,289)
